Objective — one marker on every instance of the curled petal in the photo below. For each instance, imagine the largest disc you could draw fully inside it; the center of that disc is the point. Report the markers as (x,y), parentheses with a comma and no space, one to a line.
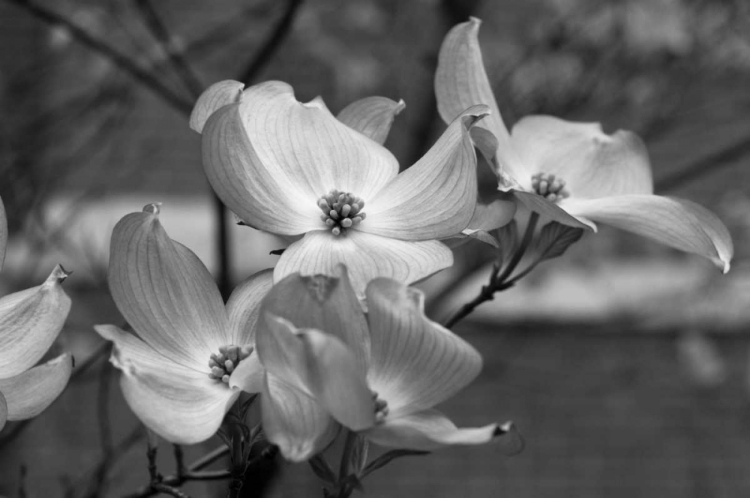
(212,99)
(416,363)
(30,320)
(430,430)
(248,375)
(326,303)
(365,255)
(371,116)
(496,214)
(164,291)
(677,223)
(29,393)
(294,422)
(435,197)
(461,82)
(321,365)
(3,233)
(182,405)
(3,411)
(592,163)
(243,306)
(551,210)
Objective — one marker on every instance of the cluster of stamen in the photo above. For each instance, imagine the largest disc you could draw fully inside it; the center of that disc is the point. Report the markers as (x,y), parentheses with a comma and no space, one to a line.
(549,187)
(381,408)
(223,364)
(341,210)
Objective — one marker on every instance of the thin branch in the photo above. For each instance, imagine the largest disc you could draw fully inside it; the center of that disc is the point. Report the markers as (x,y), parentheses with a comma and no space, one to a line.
(118,59)
(272,44)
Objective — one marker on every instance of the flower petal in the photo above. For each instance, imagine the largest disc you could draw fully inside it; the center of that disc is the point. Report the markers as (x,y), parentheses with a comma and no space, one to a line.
(182,405)
(435,197)
(212,99)
(30,320)
(461,82)
(365,255)
(164,291)
(592,163)
(326,303)
(294,422)
(416,363)
(3,411)
(371,116)
(320,364)
(243,306)
(551,210)
(3,233)
(675,222)
(429,430)
(29,393)
(496,214)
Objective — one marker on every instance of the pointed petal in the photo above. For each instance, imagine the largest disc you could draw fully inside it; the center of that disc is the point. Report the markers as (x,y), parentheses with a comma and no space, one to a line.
(371,116)
(29,393)
(182,405)
(675,222)
(436,197)
(365,255)
(320,364)
(294,422)
(3,411)
(270,158)
(30,320)
(212,99)
(164,291)
(3,233)
(592,163)
(461,82)
(326,303)
(243,306)
(551,210)
(429,430)
(416,363)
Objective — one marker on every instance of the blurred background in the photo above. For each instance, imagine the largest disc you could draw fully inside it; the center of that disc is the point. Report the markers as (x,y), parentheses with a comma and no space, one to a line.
(623,363)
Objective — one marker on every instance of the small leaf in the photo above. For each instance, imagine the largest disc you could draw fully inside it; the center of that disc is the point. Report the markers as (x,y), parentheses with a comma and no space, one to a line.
(322,469)
(358,456)
(555,238)
(507,237)
(386,458)
(510,439)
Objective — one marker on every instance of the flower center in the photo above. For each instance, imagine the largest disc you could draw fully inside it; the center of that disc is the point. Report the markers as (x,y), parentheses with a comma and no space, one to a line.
(341,210)
(549,187)
(223,364)
(381,408)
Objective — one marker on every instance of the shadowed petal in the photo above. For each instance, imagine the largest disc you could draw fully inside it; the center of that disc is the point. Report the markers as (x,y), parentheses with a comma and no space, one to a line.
(30,320)
(320,364)
(551,210)
(29,393)
(429,430)
(3,411)
(243,306)
(365,255)
(294,422)
(182,405)
(592,163)
(212,99)
(371,116)
(435,197)
(326,303)
(3,233)
(675,222)
(461,82)
(165,292)
(416,363)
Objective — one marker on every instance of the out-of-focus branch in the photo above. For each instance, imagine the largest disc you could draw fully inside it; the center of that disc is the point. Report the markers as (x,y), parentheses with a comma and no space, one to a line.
(705,165)
(120,60)
(272,43)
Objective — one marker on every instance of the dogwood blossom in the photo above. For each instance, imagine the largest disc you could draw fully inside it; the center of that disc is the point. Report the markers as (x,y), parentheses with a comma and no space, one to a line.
(30,320)
(381,374)
(292,168)
(181,368)
(572,172)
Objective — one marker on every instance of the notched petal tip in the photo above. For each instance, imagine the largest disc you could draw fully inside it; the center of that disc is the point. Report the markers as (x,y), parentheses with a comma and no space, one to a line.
(474,22)
(212,99)
(153,208)
(511,441)
(474,114)
(58,275)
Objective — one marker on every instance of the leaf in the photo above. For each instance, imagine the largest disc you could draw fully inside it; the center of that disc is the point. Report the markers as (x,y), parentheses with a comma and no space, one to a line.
(322,469)
(507,237)
(358,455)
(386,458)
(555,238)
